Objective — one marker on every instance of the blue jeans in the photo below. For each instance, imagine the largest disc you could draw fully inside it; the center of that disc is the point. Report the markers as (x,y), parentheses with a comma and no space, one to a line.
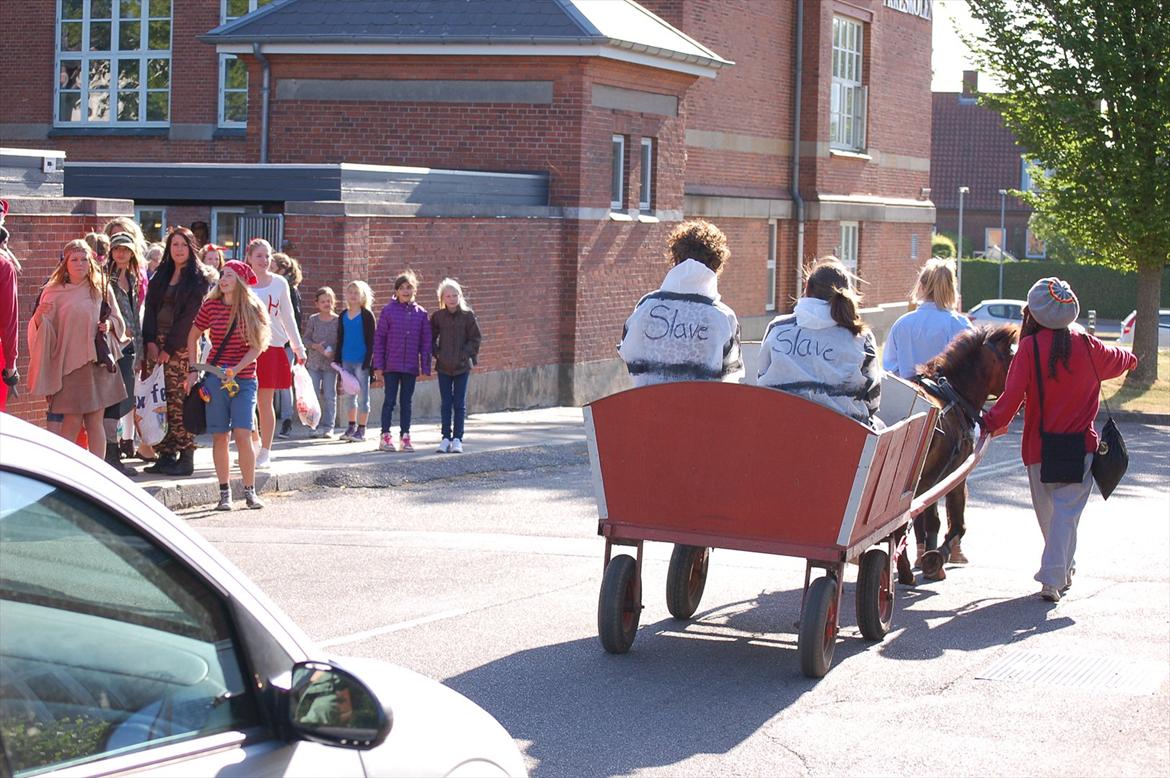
(363,395)
(400,386)
(325,382)
(230,413)
(453,397)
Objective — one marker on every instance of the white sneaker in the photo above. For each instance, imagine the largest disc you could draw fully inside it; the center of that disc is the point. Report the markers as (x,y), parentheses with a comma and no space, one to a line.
(444,446)
(264,458)
(387,442)
(456,446)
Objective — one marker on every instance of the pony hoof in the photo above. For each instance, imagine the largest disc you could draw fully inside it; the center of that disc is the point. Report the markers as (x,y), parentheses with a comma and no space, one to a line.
(958,557)
(932,566)
(907,579)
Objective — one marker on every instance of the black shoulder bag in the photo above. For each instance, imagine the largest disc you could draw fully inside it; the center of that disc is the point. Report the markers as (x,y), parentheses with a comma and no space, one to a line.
(194,406)
(1062,454)
(1111,459)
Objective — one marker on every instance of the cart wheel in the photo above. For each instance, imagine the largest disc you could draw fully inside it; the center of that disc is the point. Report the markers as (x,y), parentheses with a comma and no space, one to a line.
(818,628)
(875,595)
(619,605)
(686,579)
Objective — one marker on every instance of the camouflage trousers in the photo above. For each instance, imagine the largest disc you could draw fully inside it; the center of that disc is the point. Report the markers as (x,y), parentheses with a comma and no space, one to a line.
(177,439)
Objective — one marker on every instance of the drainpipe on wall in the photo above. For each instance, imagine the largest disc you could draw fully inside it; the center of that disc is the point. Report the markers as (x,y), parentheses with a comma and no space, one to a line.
(798,75)
(264,84)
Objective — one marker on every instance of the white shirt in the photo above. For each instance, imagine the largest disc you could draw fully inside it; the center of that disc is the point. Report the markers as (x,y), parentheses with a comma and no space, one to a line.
(920,336)
(276,298)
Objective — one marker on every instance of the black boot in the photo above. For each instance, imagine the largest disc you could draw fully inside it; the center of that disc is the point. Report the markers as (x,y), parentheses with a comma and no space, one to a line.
(184,465)
(114,460)
(163,465)
(126,448)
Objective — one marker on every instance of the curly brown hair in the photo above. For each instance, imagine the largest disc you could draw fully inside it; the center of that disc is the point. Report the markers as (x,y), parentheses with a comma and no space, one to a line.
(699,240)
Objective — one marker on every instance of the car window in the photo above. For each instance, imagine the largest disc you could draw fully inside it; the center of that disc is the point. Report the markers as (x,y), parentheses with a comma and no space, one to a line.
(109,644)
(1164,319)
(1014,312)
(998,311)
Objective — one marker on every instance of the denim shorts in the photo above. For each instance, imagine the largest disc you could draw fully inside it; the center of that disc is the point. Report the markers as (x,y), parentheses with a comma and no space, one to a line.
(230,413)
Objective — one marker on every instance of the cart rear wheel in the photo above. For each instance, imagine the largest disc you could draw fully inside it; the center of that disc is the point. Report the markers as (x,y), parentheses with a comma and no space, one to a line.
(686,579)
(875,595)
(818,628)
(619,606)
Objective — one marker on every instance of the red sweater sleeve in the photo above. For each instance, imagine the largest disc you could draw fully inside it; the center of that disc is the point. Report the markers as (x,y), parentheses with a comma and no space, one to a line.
(1019,378)
(9,313)
(1110,361)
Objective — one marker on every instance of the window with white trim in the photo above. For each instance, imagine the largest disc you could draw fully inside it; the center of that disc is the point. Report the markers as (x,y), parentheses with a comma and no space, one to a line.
(233,73)
(153,221)
(770,303)
(848,94)
(1034,247)
(993,240)
(617,177)
(847,248)
(223,226)
(645,190)
(113,63)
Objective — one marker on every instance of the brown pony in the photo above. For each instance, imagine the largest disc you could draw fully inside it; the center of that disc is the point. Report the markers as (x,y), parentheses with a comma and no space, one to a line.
(960,380)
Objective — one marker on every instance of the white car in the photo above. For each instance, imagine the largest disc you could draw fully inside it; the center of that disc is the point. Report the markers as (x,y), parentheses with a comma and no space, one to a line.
(998,312)
(1126,338)
(129,645)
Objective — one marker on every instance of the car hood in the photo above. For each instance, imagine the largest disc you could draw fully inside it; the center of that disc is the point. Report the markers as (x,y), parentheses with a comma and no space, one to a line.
(436,730)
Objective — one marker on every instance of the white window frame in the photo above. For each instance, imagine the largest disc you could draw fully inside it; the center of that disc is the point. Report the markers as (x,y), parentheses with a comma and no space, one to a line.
(617,173)
(160,209)
(115,57)
(231,251)
(848,96)
(847,247)
(223,66)
(645,191)
(770,303)
(914,245)
(1029,236)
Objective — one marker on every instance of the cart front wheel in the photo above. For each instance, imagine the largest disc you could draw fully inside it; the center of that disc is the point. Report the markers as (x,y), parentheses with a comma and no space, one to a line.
(875,595)
(619,606)
(818,628)
(685,580)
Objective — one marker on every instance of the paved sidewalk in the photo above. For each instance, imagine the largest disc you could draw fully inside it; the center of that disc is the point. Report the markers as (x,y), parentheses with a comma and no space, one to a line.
(511,440)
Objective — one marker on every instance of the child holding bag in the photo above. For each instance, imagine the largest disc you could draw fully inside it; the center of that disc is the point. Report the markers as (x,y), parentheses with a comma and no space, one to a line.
(354,354)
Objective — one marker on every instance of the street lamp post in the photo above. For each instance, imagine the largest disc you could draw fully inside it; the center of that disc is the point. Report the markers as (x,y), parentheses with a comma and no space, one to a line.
(1002,237)
(963,190)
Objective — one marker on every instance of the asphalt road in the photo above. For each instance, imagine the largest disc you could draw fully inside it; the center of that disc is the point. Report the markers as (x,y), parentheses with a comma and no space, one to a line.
(489,583)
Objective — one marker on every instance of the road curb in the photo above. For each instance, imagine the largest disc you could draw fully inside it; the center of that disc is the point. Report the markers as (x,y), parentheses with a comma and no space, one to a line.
(1134,416)
(382,471)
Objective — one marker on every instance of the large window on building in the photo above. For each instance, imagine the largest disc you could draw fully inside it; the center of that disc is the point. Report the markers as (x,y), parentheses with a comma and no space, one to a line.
(617,174)
(646,188)
(233,73)
(113,63)
(153,220)
(848,95)
(847,248)
(224,220)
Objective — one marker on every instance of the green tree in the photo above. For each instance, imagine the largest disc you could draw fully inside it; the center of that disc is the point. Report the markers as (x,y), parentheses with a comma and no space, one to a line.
(1087,93)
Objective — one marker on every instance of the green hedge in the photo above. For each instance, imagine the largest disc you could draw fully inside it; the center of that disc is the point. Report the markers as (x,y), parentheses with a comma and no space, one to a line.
(1111,293)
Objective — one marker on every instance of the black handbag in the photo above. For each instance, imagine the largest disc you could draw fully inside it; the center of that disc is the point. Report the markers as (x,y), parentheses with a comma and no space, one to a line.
(101,343)
(1111,459)
(1062,454)
(194,406)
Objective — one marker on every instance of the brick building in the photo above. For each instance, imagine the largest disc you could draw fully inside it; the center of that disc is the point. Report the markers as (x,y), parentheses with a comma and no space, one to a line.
(538,150)
(971,147)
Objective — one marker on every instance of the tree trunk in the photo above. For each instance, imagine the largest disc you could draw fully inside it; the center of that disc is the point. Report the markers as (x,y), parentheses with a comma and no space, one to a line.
(1145,326)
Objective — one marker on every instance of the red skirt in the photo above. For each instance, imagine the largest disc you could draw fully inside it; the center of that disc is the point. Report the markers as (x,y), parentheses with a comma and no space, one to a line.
(273,370)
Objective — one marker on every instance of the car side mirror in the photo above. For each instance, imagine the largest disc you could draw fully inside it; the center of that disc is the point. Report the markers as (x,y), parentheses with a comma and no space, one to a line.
(329,705)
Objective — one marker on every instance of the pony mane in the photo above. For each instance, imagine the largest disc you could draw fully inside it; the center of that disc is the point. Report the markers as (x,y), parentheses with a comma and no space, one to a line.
(964,350)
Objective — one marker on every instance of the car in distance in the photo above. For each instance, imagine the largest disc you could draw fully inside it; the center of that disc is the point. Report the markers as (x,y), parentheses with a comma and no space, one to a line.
(998,311)
(1126,338)
(130,645)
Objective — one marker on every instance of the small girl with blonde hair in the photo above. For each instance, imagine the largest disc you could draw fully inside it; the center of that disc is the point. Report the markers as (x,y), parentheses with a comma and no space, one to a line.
(354,353)
(455,341)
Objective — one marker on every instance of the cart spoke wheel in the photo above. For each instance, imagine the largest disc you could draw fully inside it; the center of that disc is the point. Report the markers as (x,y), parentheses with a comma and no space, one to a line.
(875,595)
(685,580)
(619,605)
(818,628)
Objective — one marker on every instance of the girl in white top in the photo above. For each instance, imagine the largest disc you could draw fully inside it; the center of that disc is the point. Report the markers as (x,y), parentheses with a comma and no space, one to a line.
(273,371)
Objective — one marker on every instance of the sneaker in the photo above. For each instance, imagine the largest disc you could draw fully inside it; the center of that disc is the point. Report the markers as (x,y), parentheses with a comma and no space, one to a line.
(1050,593)
(285,429)
(321,433)
(406,444)
(444,446)
(253,502)
(264,458)
(456,446)
(349,432)
(387,442)
(225,500)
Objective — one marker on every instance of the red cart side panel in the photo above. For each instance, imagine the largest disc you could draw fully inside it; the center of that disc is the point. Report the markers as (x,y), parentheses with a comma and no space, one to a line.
(742,462)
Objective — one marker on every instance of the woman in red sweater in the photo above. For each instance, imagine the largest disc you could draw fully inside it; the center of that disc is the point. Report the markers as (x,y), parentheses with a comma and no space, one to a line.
(1072,368)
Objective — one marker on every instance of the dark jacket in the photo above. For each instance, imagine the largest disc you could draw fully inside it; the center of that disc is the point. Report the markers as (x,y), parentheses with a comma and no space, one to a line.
(367,330)
(402,339)
(189,294)
(455,340)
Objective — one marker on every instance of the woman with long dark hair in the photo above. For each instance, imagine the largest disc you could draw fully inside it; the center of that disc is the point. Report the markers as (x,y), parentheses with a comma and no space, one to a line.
(173,298)
(1071,368)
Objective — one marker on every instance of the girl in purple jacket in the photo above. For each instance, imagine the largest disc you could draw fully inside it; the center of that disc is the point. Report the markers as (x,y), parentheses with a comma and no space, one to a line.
(402,350)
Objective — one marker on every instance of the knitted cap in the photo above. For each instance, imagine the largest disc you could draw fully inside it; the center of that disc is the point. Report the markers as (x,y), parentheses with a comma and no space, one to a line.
(1053,304)
(121,239)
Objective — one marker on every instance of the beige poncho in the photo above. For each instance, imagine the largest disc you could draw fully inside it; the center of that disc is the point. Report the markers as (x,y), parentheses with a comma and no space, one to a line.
(61,334)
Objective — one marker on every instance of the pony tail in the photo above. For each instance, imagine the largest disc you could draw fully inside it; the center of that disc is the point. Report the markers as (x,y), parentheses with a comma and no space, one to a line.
(843,307)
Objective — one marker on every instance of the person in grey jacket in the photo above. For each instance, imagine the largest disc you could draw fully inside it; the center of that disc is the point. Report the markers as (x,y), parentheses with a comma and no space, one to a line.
(682,332)
(822,350)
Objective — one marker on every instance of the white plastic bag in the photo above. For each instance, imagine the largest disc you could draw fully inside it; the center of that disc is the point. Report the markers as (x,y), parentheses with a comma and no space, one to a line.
(349,382)
(150,406)
(308,407)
